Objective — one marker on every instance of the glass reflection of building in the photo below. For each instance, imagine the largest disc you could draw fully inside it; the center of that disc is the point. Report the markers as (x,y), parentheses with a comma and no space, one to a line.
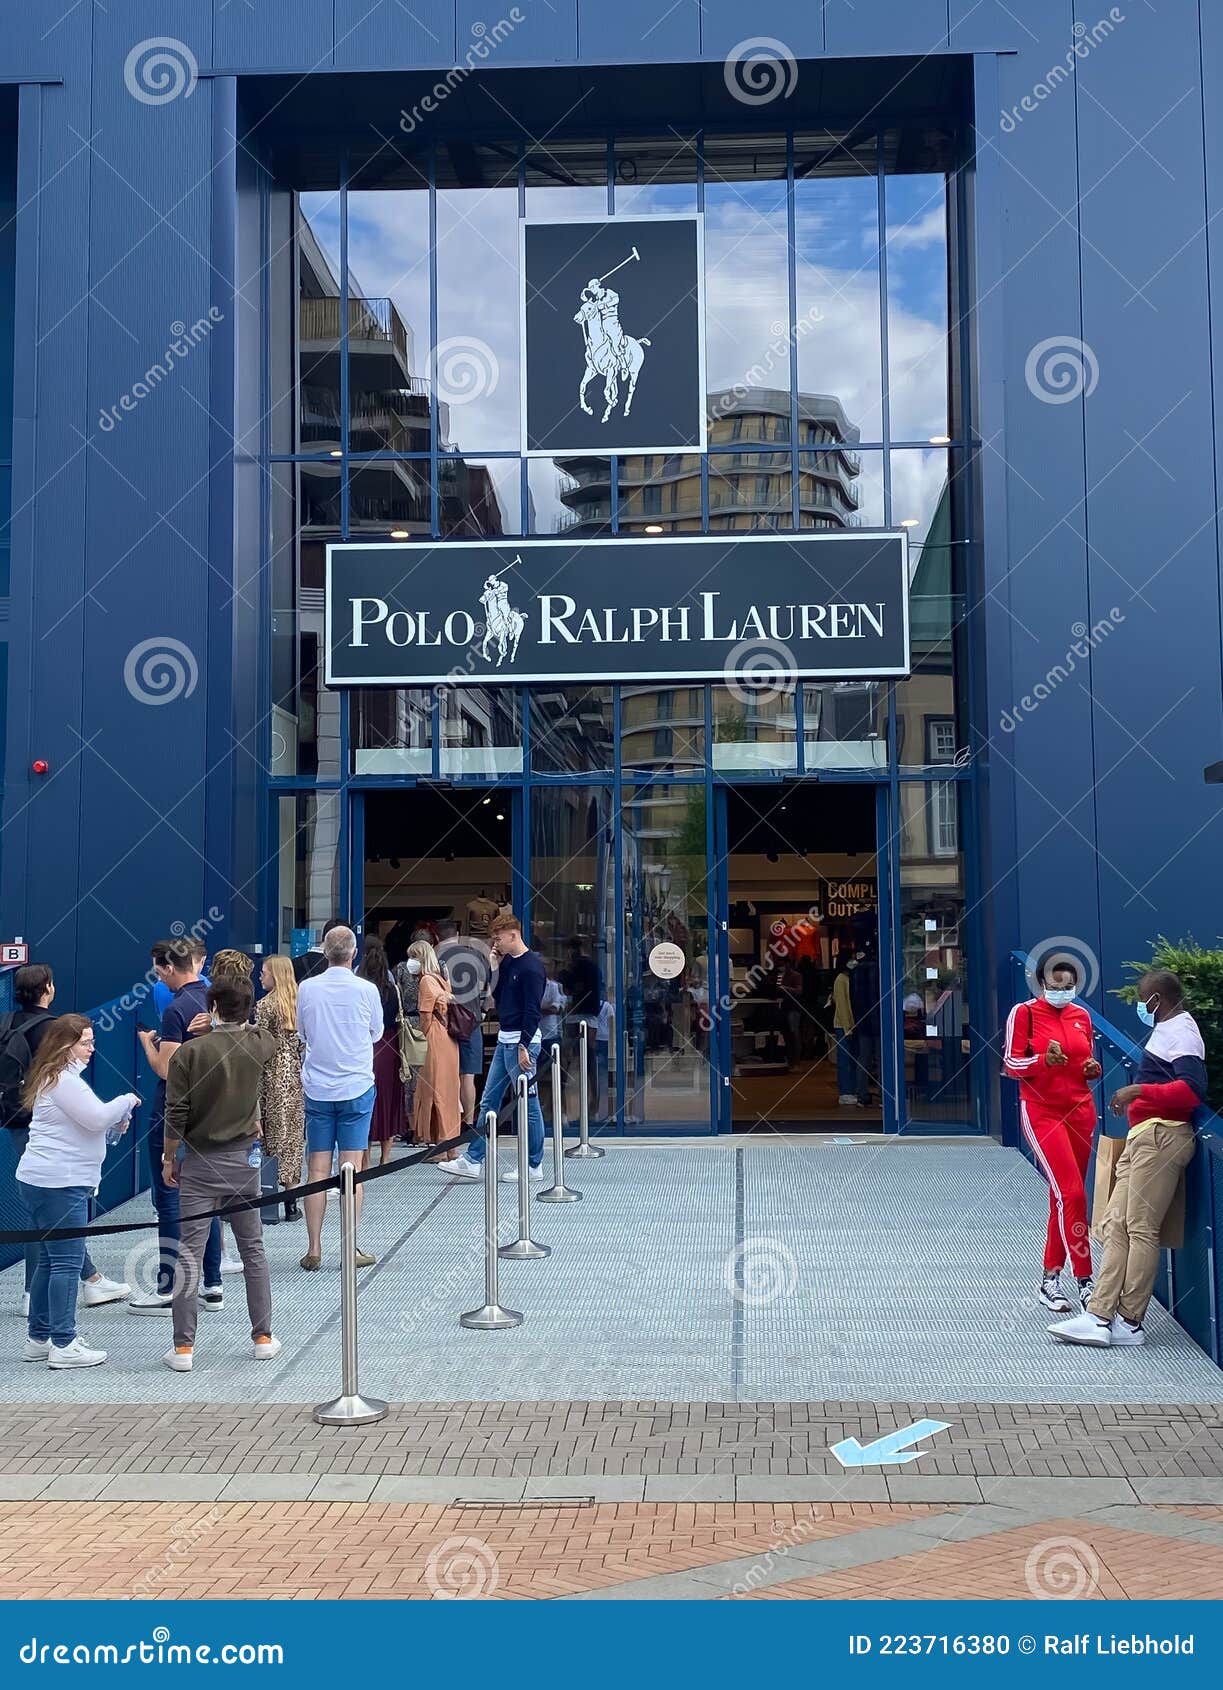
(748,489)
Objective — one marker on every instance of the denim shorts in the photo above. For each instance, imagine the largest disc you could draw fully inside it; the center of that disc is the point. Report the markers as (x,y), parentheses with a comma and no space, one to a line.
(471,1052)
(342,1125)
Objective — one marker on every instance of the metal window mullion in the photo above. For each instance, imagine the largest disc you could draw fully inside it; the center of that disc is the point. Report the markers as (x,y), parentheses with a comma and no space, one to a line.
(704,456)
(435,500)
(884,351)
(792,293)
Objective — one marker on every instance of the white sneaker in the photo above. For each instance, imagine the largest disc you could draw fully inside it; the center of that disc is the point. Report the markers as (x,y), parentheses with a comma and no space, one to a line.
(149,1302)
(179,1361)
(461,1168)
(75,1354)
(1083,1329)
(1052,1295)
(265,1348)
(232,1264)
(212,1297)
(36,1349)
(1121,1332)
(510,1177)
(95,1292)
(25,1306)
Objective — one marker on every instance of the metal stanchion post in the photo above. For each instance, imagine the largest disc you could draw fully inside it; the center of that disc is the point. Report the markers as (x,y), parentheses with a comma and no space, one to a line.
(524,1248)
(584,1147)
(557,1192)
(350,1408)
(491,1317)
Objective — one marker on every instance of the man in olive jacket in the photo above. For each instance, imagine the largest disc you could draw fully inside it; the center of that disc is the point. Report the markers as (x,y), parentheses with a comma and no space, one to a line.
(212,1111)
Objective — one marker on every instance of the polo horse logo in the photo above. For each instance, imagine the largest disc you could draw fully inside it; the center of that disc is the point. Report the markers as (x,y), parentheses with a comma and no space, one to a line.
(503,625)
(610,353)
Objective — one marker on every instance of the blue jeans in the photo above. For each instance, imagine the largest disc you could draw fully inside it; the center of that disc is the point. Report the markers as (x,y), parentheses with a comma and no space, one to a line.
(57,1272)
(847,1069)
(21,1137)
(339,1124)
(503,1071)
(166,1203)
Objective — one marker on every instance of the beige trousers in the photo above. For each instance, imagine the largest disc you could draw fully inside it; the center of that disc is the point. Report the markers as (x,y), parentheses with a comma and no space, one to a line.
(1148,1172)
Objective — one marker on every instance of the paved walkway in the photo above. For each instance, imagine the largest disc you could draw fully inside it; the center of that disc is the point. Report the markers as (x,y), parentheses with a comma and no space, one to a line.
(776,1272)
(174,1551)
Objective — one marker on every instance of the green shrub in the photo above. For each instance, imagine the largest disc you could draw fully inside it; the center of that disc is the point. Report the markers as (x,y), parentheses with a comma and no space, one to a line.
(1201,974)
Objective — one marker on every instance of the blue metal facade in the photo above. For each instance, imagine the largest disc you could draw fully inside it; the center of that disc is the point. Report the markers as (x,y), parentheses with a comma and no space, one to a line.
(1091,217)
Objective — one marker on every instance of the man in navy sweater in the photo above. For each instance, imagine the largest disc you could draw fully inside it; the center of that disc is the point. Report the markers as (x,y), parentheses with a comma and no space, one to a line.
(518,993)
(1160,1106)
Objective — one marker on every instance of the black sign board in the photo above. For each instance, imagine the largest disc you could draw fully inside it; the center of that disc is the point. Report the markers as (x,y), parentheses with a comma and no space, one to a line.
(756,607)
(613,335)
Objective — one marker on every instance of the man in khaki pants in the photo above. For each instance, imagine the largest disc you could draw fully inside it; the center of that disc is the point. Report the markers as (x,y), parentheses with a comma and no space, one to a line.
(1171,1084)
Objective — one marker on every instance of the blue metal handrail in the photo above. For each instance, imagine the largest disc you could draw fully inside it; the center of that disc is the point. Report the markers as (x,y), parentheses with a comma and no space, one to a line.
(1189,1282)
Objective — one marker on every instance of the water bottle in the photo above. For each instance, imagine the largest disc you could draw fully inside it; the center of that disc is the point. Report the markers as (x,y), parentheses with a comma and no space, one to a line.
(115,1133)
(254,1157)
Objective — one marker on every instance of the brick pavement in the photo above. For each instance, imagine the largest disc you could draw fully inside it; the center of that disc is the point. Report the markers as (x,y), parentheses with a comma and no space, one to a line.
(296,1551)
(483,1441)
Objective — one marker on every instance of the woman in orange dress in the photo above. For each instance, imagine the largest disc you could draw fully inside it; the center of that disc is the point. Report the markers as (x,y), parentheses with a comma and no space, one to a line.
(435,1106)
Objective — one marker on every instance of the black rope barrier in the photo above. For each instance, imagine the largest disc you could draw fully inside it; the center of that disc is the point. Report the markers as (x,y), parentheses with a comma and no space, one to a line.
(241,1204)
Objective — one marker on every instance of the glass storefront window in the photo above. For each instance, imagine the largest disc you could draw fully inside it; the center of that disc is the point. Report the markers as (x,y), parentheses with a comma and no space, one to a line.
(750,490)
(845,724)
(666,901)
(935,985)
(840,487)
(305,716)
(566,178)
(662,729)
(747,303)
(481,731)
(660,493)
(389,500)
(928,723)
(573,924)
(477,298)
(569,496)
(837,328)
(388,320)
(754,728)
(917,306)
(479,499)
(392,731)
(571,730)
(307,864)
(655,174)
(318,323)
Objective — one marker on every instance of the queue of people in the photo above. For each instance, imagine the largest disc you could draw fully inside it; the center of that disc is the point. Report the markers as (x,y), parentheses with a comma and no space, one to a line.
(340,1054)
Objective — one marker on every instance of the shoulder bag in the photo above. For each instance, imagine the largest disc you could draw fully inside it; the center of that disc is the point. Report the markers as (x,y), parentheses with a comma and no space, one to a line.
(413,1045)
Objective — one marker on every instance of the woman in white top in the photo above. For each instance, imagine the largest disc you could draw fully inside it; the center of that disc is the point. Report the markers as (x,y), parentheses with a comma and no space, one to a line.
(57,1175)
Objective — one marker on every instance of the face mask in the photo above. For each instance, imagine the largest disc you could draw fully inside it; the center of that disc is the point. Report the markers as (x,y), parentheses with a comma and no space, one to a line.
(413,965)
(1059,1000)
(1145,1013)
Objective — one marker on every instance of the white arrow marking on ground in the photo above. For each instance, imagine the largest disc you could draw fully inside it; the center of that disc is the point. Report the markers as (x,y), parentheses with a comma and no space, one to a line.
(890,1449)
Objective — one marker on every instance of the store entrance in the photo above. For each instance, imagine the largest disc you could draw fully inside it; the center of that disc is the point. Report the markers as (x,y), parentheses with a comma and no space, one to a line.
(435,854)
(802,1040)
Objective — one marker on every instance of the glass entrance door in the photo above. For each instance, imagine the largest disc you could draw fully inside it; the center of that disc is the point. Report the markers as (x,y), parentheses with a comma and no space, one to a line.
(665,847)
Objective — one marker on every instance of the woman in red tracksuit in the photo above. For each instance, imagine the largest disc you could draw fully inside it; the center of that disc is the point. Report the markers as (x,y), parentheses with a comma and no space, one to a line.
(1049,1051)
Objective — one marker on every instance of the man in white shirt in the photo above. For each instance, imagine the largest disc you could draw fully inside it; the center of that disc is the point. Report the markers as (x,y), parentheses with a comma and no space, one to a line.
(339,1019)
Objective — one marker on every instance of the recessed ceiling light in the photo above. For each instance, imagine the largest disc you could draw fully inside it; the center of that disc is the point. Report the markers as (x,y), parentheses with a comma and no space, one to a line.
(653,527)
(399,534)
(940,440)
(908,522)
(335,454)
(500,815)
(486,800)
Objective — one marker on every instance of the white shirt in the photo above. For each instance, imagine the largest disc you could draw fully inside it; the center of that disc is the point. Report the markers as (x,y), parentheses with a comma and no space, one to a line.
(339,1016)
(68,1130)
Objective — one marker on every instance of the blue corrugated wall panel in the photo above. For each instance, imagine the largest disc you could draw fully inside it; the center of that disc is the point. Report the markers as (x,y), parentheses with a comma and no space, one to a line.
(893,26)
(642,30)
(547,34)
(273,35)
(386,32)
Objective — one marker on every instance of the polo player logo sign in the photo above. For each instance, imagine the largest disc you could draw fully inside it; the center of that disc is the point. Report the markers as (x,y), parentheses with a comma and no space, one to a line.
(503,624)
(610,353)
(617,301)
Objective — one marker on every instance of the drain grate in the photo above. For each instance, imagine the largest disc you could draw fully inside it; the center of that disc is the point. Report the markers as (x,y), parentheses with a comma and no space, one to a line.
(525,1502)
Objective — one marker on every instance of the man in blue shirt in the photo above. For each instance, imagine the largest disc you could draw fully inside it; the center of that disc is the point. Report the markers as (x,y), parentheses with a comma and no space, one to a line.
(176,963)
(518,992)
(162,993)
